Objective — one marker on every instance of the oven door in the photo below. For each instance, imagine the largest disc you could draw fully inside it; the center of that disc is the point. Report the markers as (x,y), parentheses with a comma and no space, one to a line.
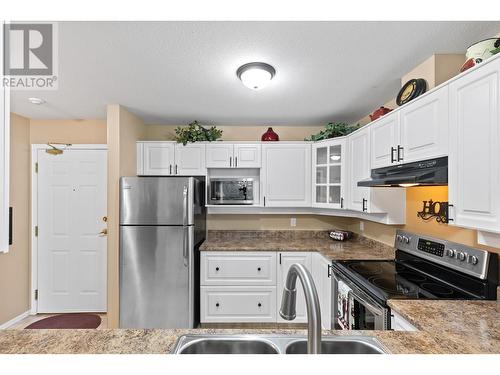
(355,309)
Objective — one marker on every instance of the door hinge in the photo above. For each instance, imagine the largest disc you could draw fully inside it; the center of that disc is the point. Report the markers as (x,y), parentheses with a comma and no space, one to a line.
(36,230)
(36,294)
(36,167)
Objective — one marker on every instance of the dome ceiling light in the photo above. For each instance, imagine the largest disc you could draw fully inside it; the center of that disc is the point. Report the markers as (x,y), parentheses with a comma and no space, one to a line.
(256,75)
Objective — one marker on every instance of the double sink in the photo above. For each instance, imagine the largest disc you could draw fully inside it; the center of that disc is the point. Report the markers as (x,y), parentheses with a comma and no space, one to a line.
(273,344)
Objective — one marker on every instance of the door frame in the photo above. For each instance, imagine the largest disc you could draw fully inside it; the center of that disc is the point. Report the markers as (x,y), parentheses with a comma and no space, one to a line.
(34,212)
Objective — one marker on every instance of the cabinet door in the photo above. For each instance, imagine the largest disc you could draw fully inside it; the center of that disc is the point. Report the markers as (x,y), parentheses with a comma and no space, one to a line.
(158,158)
(424,127)
(220,155)
(190,159)
(287,175)
(285,260)
(323,282)
(247,155)
(329,174)
(384,136)
(359,168)
(474,157)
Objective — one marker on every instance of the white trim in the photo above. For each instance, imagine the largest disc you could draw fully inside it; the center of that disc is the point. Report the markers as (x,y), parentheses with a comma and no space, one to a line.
(34,212)
(15,320)
(4,156)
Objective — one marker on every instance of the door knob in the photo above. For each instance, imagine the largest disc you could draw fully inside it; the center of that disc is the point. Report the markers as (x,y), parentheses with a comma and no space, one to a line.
(103,232)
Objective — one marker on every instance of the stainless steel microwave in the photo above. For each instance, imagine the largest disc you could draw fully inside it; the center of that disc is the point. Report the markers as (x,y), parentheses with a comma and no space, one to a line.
(231,191)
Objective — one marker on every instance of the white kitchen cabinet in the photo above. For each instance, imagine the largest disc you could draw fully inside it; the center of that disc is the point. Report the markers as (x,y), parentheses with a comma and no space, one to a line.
(329,182)
(190,159)
(170,159)
(241,304)
(398,323)
(238,268)
(286,171)
(247,155)
(220,155)
(474,156)
(285,260)
(156,158)
(359,168)
(234,155)
(424,127)
(384,140)
(321,271)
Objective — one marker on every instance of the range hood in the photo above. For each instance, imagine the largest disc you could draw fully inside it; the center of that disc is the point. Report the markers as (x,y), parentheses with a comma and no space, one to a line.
(427,172)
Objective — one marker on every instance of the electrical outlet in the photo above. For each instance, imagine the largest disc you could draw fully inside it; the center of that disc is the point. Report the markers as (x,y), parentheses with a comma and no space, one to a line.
(293,222)
(362,226)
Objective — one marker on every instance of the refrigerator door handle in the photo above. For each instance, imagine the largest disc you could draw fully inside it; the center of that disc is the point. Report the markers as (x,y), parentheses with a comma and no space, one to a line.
(185,246)
(184,206)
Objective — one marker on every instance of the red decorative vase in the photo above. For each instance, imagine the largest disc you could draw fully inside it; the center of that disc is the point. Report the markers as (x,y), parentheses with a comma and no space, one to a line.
(270,135)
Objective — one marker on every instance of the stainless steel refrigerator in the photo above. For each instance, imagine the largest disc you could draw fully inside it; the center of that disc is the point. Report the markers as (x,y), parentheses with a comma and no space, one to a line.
(162,224)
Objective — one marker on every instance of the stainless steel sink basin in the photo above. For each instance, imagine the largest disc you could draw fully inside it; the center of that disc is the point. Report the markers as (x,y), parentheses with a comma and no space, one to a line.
(273,344)
(350,346)
(226,345)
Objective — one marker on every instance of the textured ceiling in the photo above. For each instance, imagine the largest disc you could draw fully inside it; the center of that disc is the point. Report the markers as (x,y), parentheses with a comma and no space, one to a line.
(175,72)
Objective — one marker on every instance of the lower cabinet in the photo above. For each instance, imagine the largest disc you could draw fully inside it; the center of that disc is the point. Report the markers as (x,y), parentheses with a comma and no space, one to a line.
(247,287)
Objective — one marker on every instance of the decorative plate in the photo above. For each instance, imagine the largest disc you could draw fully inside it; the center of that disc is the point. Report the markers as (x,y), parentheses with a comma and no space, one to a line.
(410,90)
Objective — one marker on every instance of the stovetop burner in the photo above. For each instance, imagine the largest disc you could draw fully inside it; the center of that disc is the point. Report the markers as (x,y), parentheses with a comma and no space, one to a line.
(391,279)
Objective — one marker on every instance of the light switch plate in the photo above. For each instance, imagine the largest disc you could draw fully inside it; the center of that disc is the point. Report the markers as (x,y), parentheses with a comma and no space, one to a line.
(362,226)
(293,222)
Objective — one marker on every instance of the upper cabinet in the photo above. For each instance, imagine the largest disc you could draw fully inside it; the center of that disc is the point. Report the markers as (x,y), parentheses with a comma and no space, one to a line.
(190,159)
(474,155)
(384,140)
(286,174)
(418,131)
(329,183)
(170,159)
(359,163)
(229,155)
(424,127)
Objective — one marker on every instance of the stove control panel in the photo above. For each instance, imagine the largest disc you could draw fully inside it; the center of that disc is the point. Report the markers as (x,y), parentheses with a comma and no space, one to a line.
(457,256)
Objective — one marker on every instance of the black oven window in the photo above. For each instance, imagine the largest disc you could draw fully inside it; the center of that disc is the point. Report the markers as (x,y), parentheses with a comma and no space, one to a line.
(363,318)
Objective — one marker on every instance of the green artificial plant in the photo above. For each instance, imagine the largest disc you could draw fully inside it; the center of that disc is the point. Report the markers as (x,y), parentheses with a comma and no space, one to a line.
(332,130)
(194,132)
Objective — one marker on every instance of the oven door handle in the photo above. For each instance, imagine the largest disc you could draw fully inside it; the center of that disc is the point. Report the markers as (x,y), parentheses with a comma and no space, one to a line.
(373,309)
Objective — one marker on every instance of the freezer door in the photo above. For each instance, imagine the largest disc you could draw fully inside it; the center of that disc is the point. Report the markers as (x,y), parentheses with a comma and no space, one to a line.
(156,277)
(156,200)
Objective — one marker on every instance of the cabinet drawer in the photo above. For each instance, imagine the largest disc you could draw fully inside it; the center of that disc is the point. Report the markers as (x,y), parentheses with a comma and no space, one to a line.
(238,304)
(229,268)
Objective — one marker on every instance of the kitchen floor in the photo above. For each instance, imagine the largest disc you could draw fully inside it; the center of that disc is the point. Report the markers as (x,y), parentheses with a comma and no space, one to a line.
(35,318)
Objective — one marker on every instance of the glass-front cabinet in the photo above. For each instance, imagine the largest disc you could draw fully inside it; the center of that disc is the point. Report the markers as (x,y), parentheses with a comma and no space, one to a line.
(329,173)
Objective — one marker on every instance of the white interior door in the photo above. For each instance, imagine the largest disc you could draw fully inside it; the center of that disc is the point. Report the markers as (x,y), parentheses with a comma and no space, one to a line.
(72,253)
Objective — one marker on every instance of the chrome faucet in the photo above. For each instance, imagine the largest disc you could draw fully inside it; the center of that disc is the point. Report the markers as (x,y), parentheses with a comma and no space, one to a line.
(288,304)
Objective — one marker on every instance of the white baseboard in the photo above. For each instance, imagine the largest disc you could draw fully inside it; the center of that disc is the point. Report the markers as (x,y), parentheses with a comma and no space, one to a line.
(15,320)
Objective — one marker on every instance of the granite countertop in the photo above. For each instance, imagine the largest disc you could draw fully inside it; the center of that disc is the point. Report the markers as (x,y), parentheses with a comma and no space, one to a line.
(445,327)
(356,248)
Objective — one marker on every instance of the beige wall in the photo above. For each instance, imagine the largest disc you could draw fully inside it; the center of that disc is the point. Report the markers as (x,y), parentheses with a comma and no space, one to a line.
(68,131)
(123,130)
(14,265)
(435,70)
(276,222)
(237,133)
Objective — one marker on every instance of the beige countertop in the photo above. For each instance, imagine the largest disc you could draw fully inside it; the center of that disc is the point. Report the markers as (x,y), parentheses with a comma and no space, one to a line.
(356,248)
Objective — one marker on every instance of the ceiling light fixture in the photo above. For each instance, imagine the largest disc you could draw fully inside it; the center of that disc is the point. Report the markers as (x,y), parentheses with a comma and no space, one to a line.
(256,75)
(36,101)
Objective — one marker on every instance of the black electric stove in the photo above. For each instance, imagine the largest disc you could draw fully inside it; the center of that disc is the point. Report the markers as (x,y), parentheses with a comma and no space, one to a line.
(423,268)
